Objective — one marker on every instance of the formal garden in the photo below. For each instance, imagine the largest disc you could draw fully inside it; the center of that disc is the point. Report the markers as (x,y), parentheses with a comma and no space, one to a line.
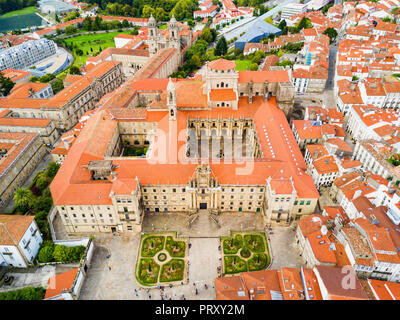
(162,259)
(245,251)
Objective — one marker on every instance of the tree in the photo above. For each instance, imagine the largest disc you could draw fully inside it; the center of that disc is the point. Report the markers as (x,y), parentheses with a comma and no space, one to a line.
(70,29)
(160,14)
(253,67)
(42,204)
(41,181)
(195,61)
(46,254)
(87,23)
(191,23)
(304,23)
(206,35)
(61,253)
(57,85)
(221,48)
(6,84)
(125,23)
(23,198)
(52,169)
(331,33)
(147,11)
(74,70)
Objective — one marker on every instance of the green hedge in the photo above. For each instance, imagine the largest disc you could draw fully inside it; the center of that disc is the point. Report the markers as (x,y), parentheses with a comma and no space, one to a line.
(175,248)
(148,271)
(28,293)
(59,253)
(151,245)
(172,270)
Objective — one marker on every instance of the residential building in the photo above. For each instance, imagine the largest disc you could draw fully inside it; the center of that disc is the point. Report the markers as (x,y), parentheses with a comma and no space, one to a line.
(27,54)
(20,240)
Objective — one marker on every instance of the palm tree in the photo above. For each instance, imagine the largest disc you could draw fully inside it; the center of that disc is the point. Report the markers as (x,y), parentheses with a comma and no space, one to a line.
(23,198)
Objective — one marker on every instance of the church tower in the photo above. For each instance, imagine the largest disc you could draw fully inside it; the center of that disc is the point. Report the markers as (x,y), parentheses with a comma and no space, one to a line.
(171,100)
(173,30)
(153,35)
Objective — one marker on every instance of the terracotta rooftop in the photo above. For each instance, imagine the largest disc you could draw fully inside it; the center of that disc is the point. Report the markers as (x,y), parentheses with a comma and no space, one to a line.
(12,228)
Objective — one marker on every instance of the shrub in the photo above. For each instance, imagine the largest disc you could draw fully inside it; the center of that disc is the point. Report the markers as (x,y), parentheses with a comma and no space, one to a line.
(175,248)
(148,271)
(46,254)
(151,245)
(75,253)
(28,293)
(257,262)
(254,242)
(42,204)
(245,253)
(162,257)
(61,253)
(233,264)
(172,270)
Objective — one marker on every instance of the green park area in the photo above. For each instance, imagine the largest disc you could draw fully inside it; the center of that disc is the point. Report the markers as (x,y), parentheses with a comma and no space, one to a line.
(243,65)
(27,10)
(161,260)
(90,45)
(245,251)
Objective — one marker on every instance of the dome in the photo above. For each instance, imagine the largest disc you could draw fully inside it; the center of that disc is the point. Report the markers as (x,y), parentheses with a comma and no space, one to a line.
(152,20)
(173,20)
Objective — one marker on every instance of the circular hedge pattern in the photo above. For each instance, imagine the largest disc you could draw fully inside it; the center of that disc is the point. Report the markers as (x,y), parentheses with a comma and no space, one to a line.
(245,253)
(162,257)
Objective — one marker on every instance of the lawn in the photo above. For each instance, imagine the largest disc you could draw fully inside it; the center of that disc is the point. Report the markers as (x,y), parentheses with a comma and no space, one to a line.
(91,45)
(27,10)
(241,65)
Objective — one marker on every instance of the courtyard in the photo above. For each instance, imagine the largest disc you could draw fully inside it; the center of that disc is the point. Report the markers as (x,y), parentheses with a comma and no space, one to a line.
(112,272)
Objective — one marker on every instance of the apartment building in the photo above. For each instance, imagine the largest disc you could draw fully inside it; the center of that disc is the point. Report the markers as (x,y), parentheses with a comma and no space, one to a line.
(20,240)
(27,54)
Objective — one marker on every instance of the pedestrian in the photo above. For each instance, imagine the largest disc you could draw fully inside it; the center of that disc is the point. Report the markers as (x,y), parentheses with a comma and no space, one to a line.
(197,292)
(137,294)
(194,284)
(205,286)
(109,268)
(149,296)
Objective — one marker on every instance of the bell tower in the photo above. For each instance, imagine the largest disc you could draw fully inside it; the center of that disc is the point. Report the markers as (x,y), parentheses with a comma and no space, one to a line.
(153,35)
(171,100)
(173,30)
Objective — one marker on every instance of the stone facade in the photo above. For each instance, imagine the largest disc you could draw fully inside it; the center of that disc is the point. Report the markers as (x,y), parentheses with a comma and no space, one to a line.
(21,153)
